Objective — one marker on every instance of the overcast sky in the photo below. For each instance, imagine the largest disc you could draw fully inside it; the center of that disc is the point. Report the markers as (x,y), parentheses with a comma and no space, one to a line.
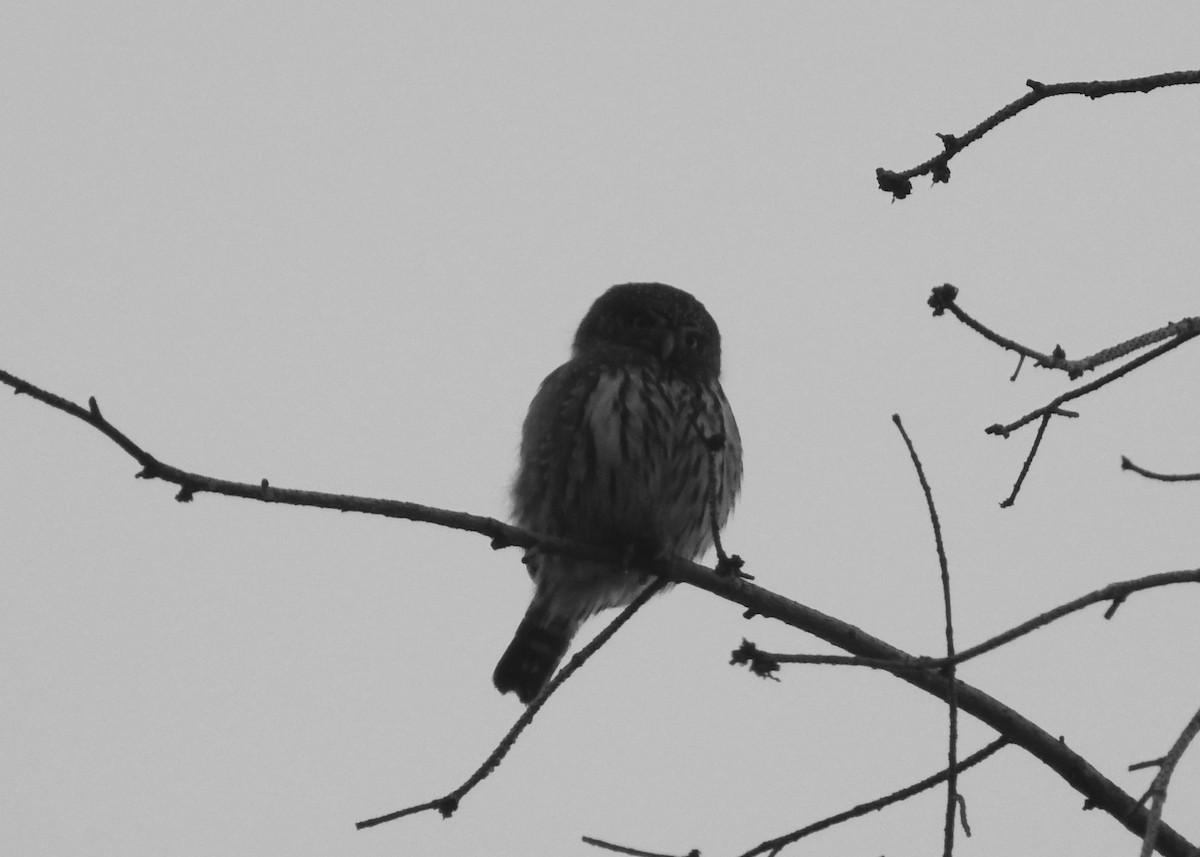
(339,245)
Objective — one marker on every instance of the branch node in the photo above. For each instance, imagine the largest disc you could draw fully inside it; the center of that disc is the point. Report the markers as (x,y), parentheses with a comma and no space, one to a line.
(760,663)
(1020,363)
(187,492)
(942,297)
(949,142)
(731,566)
(894,183)
(1116,605)
(94,409)
(1149,763)
(447,806)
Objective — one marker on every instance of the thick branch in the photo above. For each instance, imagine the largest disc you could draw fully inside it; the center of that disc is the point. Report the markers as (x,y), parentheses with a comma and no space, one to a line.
(1099,791)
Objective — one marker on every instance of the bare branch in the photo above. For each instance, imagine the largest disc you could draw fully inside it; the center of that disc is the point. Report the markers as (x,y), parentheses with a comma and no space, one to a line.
(774,846)
(1158,788)
(899,184)
(1116,593)
(449,804)
(502,534)
(951,696)
(1099,791)
(1037,442)
(621,849)
(1054,408)
(1126,464)
(945,297)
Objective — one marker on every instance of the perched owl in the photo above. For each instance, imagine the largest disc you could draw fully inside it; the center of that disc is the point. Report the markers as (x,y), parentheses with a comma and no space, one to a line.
(615,453)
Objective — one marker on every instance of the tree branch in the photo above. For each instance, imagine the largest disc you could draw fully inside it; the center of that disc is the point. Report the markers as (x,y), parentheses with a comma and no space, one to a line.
(634,852)
(945,297)
(899,184)
(1176,333)
(448,804)
(774,846)
(1116,593)
(1099,791)
(1126,464)
(952,796)
(1158,788)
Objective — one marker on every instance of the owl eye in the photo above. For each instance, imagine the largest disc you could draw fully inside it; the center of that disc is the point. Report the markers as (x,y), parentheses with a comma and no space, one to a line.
(641,321)
(691,339)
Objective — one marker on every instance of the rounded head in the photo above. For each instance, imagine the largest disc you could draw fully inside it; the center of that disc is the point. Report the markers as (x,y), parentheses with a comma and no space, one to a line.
(653,320)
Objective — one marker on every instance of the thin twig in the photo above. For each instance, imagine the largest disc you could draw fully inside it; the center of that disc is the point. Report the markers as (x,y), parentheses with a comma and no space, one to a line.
(1037,441)
(774,846)
(1054,407)
(1149,763)
(448,804)
(636,852)
(1017,371)
(1158,788)
(1114,592)
(952,796)
(945,298)
(899,184)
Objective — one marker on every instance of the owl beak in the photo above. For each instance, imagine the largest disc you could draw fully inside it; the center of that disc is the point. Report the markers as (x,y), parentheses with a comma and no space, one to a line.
(667,347)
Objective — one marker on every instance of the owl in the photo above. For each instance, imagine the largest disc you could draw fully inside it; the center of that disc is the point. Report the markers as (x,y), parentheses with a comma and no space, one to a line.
(615,453)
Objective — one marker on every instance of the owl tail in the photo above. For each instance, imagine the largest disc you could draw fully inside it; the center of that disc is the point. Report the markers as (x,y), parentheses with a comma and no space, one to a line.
(531,658)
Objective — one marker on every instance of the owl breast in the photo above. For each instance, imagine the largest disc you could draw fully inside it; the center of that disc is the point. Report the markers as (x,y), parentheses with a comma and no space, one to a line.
(639,469)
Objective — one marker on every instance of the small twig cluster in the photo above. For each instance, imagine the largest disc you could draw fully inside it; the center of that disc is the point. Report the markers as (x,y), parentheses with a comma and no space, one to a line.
(945,298)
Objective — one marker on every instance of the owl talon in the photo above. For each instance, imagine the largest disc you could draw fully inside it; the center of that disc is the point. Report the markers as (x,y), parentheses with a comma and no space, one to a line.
(731,566)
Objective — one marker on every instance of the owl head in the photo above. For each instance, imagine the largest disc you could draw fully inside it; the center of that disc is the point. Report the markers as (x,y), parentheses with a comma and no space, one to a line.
(652,320)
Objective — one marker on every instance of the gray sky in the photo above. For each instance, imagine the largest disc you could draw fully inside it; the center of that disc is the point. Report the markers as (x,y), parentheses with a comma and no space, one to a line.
(338,246)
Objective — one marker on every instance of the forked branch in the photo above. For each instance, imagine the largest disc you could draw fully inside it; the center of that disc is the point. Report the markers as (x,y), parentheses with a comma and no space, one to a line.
(945,298)
(1099,791)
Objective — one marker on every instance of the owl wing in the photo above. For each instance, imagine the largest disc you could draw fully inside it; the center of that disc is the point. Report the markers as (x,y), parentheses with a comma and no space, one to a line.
(550,442)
